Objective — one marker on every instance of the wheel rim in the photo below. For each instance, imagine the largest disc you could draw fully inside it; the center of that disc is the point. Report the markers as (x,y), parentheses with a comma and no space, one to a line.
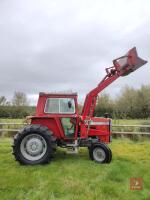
(99,154)
(33,147)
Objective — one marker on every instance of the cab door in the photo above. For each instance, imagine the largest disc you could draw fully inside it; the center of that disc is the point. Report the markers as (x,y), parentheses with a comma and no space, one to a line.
(69,120)
(64,109)
(69,125)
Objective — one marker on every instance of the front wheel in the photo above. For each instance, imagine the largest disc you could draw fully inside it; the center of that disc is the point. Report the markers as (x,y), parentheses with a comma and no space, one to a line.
(33,145)
(100,153)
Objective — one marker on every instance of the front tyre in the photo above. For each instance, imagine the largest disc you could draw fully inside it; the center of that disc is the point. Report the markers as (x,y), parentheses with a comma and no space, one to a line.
(34,145)
(100,153)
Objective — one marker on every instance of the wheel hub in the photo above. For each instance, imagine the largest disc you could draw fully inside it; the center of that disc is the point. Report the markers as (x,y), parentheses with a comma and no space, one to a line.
(99,154)
(34,146)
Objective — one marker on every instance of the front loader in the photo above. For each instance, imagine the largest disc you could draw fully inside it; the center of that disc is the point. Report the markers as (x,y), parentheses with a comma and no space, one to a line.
(57,122)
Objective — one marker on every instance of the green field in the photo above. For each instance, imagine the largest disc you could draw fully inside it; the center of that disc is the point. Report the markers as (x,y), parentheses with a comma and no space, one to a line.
(75,177)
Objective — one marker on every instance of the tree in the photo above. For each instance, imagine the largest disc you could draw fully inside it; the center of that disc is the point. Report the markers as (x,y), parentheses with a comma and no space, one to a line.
(125,104)
(3,100)
(143,102)
(133,103)
(20,99)
(104,105)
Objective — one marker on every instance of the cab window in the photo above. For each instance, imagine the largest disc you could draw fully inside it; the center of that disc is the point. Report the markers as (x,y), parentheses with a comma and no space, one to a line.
(60,105)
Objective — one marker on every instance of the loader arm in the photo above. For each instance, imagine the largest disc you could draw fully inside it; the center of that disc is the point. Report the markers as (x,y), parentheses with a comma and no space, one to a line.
(122,66)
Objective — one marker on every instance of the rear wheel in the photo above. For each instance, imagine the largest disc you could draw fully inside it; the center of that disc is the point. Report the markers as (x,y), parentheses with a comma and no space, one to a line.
(34,145)
(100,153)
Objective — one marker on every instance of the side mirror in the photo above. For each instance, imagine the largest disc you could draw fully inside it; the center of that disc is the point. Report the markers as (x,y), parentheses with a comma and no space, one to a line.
(129,62)
(69,104)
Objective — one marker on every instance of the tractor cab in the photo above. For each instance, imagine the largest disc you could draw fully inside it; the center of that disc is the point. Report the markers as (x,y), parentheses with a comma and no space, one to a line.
(61,110)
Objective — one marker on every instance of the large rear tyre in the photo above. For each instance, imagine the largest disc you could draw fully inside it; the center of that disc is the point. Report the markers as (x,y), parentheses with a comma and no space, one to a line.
(34,145)
(100,153)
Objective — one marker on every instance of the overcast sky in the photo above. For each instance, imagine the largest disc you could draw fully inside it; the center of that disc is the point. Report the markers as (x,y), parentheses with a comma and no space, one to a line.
(59,45)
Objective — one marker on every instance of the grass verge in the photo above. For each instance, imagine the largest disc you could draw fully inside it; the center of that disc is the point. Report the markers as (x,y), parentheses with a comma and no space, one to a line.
(75,177)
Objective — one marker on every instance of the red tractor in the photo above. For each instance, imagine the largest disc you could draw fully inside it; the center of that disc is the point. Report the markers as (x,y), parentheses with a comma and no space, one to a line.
(57,121)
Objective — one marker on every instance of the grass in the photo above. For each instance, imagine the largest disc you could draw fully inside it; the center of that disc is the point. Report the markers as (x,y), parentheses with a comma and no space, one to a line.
(75,177)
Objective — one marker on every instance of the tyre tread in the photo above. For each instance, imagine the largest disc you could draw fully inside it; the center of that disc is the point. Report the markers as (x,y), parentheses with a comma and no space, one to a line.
(38,129)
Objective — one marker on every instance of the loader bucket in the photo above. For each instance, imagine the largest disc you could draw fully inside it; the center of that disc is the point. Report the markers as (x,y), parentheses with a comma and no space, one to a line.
(129,62)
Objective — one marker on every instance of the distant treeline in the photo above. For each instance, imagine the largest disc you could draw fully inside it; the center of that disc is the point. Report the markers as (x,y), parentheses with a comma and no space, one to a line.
(131,103)
(17,107)
(16,111)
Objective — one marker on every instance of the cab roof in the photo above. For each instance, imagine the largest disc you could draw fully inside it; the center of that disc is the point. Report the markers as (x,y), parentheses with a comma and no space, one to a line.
(58,94)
